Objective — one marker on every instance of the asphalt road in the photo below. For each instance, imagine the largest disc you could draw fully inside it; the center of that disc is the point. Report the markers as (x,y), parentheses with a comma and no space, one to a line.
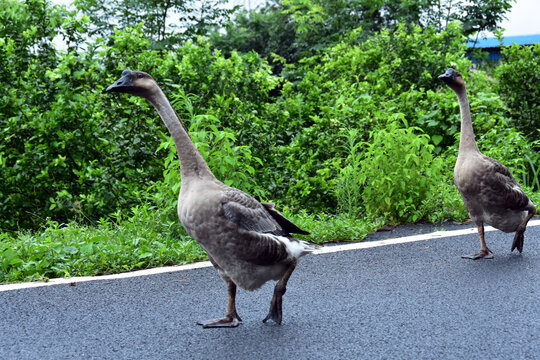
(416,300)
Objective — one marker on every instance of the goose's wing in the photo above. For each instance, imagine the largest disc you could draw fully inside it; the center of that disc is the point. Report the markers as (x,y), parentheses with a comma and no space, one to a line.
(249,214)
(285,223)
(503,186)
(266,240)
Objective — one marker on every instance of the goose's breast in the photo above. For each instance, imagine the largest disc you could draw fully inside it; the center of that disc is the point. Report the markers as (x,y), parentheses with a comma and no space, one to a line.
(199,211)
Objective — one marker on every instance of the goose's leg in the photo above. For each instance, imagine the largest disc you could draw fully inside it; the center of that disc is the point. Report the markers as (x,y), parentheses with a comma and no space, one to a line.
(484,253)
(519,237)
(231,319)
(281,286)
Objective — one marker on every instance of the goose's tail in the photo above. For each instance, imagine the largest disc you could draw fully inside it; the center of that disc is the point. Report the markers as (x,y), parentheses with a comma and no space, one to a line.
(297,248)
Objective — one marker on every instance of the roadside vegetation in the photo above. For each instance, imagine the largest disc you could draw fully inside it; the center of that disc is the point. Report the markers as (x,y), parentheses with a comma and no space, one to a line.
(345,133)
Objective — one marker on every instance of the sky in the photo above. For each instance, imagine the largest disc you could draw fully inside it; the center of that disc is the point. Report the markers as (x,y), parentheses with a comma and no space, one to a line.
(523,19)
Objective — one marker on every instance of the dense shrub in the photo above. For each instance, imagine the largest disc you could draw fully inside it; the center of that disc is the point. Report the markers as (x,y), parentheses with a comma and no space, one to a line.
(69,151)
(519,75)
(398,171)
(360,85)
(303,139)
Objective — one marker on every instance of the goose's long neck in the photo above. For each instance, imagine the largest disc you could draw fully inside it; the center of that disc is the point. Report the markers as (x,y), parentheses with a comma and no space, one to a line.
(192,163)
(467,143)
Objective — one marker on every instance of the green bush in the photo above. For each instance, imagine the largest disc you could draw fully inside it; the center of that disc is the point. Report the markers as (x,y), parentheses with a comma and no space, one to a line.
(358,85)
(71,152)
(398,171)
(348,189)
(518,76)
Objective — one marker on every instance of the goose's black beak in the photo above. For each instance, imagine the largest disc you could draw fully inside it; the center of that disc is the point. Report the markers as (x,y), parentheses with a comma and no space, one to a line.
(448,75)
(121,84)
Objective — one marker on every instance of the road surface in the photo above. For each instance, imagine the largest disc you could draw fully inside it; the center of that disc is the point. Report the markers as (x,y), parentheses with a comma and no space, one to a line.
(411,300)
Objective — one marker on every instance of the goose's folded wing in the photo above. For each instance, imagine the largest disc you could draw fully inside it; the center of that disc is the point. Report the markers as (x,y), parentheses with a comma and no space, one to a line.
(504,187)
(249,214)
(265,241)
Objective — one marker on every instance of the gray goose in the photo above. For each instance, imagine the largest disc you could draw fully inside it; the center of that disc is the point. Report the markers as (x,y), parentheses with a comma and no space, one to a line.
(490,193)
(248,242)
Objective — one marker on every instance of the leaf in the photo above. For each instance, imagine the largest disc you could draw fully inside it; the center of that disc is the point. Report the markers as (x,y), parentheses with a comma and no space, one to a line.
(71,250)
(436,139)
(87,249)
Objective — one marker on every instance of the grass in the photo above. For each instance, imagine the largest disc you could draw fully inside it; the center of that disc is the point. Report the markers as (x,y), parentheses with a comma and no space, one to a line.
(147,238)
(324,228)
(141,241)
(150,237)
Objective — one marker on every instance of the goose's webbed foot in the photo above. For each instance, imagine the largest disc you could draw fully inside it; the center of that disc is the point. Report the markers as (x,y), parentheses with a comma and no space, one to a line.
(275,305)
(275,313)
(483,254)
(520,232)
(229,321)
(518,240)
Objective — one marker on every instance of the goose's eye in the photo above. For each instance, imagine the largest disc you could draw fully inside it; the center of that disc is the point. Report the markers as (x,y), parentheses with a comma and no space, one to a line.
(140,76)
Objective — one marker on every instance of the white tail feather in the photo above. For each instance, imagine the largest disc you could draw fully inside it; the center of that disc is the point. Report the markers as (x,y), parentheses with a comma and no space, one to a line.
(296,248)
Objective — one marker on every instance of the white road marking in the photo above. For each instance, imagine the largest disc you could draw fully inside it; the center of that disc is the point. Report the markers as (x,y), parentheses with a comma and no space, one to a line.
(203,264)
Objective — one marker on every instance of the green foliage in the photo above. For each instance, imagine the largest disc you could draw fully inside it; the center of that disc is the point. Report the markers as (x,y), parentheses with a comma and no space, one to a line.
(443,203)
(195,18)
(62,155)
(146,238)
(328,228)
(238,90)
(359,85)
(269,32)
(518,76)
(398,172)
(348,190)
(69,151)
(296,29)
(211,76)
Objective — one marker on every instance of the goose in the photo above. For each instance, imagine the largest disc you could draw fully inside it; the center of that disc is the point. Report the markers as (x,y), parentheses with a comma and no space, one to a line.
(248,242)
(490,193)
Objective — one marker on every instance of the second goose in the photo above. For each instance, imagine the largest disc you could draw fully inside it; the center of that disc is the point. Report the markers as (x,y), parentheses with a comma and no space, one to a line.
(490,193)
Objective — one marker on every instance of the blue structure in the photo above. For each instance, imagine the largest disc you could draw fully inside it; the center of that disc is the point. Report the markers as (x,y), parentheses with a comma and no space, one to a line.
(493,46)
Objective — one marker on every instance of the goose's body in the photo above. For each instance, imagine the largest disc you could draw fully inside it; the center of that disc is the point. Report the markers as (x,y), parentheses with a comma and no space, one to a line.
(248,242)
(490,193)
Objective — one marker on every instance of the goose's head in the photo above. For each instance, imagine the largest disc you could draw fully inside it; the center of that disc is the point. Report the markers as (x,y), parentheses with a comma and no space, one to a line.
(136,83)
(453,79)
